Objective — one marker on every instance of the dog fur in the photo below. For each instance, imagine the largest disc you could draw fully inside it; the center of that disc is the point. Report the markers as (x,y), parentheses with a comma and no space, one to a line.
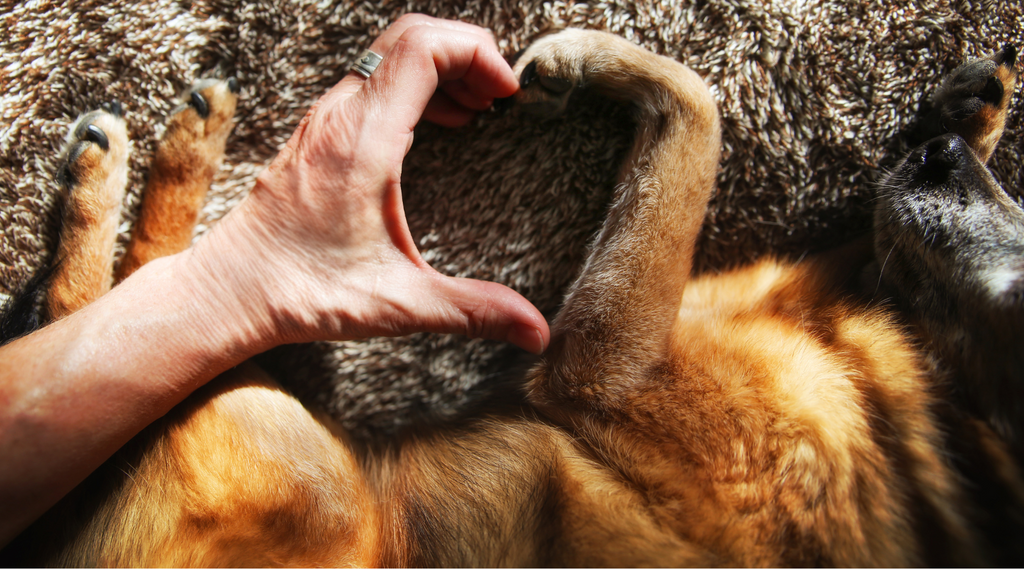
(763,416)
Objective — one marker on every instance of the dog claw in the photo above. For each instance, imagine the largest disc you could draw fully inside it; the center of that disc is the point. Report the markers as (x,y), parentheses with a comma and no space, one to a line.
(503,105)
(528,75)
(1008,56)
(92,133)
(198,102)
(992,92)
(555,84)
(95,134)
(114,108)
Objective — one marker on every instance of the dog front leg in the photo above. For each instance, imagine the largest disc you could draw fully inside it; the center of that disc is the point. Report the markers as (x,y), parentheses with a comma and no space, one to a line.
(617,316)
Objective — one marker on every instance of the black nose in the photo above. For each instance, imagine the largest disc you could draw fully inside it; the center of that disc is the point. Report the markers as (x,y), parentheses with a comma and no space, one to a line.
(942,154)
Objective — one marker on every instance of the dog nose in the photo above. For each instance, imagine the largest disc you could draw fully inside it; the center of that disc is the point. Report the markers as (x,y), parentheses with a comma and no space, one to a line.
(942,154)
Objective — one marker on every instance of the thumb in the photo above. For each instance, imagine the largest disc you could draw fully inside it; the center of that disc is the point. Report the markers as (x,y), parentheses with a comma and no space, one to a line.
(488,310)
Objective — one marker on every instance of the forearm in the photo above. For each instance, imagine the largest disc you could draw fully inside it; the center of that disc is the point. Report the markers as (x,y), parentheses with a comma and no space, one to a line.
(72,393)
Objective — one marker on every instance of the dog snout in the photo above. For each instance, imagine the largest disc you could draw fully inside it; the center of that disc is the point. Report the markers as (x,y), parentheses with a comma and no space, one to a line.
(940,156)
(945,151)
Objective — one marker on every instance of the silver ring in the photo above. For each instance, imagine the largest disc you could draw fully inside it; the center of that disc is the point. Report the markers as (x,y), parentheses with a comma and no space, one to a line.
(367,63)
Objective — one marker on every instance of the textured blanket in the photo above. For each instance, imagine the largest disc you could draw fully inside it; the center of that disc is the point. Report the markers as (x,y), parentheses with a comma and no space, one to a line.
(812,92)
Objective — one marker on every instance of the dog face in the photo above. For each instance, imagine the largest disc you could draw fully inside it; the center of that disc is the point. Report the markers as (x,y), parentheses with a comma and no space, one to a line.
(950,245)
(950,239)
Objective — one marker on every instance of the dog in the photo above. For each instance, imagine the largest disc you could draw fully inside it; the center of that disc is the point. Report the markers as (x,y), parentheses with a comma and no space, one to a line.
(774,414)
(958,273)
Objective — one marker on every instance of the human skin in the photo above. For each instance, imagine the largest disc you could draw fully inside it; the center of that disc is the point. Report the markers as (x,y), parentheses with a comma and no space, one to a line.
(319,250)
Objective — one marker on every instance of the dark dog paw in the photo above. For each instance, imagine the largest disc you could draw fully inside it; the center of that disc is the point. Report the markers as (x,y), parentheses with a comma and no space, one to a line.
(977,84)
(973,102)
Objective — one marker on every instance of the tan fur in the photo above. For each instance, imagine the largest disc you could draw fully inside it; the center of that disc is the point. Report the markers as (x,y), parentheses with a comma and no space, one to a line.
(756,417)
(89,228)
(772,398)
(241,474)
(182,170)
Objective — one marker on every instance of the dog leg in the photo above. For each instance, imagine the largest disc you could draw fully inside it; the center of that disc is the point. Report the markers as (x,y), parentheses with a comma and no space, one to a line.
(721,403)
(94,172)
(617,316)
(186,161)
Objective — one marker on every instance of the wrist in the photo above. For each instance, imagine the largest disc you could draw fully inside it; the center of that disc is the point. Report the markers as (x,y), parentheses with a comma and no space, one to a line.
(219,306)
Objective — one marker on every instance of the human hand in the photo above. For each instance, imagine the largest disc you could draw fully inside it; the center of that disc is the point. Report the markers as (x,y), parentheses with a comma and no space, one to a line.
(321,250)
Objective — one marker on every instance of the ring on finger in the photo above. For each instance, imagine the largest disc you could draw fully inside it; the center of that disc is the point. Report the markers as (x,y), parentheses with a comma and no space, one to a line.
(367,63)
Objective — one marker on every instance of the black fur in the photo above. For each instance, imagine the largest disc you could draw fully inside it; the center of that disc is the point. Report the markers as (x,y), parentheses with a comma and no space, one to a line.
(21,314)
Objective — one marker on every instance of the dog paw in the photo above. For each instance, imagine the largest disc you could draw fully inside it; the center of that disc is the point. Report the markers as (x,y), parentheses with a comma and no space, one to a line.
(93,170)
(205,117)
(549,71)
(96,148)
(184,166)
(976,84)
(974,99)
(559,64)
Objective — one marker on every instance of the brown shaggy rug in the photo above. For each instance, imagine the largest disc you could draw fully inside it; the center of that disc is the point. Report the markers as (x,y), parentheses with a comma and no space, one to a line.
(811,93)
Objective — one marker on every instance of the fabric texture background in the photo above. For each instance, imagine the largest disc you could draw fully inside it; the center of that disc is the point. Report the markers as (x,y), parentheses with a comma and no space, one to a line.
(812,92)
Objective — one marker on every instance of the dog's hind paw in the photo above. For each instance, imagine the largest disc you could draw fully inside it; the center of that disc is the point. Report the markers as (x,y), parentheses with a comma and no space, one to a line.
(201,124)
(96,151)
(93,170)
(186,161)
(974,99)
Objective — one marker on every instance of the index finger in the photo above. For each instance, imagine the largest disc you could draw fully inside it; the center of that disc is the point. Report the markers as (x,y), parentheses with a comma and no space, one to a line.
(383,44)
(385,41)
(423,57)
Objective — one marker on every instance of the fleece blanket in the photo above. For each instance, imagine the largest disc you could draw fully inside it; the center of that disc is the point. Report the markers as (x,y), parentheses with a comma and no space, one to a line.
(812,93)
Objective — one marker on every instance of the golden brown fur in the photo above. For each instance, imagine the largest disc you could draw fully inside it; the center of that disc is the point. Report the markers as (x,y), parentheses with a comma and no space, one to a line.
(95,178)
(756,417)
(180,175)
